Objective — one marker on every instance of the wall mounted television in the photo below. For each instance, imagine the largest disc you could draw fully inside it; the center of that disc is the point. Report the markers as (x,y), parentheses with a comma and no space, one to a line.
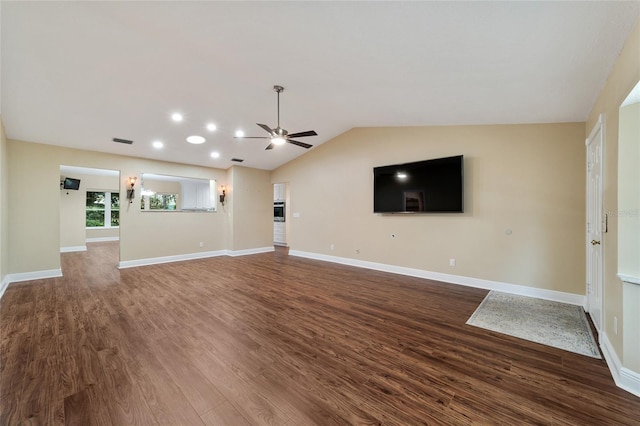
(71,183)
(430,186)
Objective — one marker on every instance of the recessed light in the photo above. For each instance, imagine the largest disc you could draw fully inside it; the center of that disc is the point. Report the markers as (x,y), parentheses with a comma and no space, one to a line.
(176,116)
(239,134)
(278,141)
(211,127)
(215,154)
(196,140)
(157,144)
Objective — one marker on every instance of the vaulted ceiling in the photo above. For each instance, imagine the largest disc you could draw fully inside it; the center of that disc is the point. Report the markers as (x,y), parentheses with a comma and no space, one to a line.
(78,74)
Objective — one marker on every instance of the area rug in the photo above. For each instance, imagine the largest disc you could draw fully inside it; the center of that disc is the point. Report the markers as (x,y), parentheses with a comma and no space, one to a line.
(554,324)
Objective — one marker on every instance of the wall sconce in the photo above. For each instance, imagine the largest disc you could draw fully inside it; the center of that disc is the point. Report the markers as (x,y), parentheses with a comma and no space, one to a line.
(131,193)
(224,193)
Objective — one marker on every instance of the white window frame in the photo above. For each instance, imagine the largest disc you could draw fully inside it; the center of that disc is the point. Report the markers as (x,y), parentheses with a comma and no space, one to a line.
(107,210)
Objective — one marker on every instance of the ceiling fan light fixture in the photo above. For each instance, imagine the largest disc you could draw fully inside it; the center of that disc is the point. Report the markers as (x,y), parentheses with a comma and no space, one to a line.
(278,140)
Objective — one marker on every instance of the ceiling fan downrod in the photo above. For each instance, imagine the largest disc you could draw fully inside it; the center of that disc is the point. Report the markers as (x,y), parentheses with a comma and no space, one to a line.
(278,90)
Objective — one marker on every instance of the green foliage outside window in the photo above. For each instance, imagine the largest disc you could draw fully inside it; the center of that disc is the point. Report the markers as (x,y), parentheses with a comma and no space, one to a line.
(115,209)
(96,211)
(160,201)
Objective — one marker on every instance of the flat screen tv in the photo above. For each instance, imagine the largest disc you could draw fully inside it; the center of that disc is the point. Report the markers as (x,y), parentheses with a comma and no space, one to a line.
(430,186)
(71,183)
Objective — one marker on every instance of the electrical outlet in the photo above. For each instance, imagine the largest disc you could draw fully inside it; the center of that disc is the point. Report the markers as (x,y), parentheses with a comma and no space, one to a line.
(201,244)
(331,247)
(452,262)
(357,251)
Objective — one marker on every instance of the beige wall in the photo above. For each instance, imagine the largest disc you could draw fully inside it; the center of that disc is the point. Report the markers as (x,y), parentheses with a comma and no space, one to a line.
(623,77)
(111,233)
(34,234)
(629,229)
(72,216)
(628,213)
(227,208)
(251,204)
(631,329)
(4,203)
(525,178)
(73,232)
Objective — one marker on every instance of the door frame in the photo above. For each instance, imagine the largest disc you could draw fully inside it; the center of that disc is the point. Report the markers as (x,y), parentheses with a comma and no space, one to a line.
(598,127)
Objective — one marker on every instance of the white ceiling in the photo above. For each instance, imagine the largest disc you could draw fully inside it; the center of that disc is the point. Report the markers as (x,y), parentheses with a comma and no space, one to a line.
(78,74)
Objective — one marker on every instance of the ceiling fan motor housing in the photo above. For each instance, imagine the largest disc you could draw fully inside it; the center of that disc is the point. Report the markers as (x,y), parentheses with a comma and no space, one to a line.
(279,136)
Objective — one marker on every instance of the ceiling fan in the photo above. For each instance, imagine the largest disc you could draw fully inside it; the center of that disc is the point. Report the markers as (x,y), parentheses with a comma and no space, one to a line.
(280,136)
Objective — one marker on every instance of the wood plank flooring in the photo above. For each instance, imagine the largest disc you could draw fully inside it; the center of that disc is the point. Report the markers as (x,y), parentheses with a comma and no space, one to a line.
(270,339)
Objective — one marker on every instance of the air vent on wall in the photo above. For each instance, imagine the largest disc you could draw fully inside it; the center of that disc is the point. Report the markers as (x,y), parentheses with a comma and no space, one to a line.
(128,142)
(237,160)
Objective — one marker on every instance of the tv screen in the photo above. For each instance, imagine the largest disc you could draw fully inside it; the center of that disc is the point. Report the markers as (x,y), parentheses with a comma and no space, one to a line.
(70,183)
(430,186)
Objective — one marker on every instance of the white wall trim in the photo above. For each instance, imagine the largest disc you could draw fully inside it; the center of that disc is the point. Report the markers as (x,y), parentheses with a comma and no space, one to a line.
(3,285)
(629,279)
(70,249)
(35,275)
(101,239)
(191,256)
(557,296)
(245,252)
(168,259)
(27,276)
(625,379)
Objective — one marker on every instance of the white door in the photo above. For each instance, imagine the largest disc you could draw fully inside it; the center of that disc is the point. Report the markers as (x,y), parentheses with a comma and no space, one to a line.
(595,261)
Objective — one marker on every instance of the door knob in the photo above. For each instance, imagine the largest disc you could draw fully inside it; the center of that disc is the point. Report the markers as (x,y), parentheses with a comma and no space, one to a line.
(594,242)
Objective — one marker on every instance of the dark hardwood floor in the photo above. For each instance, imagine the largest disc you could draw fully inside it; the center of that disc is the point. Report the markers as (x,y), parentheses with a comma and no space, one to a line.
(277,340)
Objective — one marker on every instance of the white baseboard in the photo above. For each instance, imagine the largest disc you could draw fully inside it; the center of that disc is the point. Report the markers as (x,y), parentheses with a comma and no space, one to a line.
(557,296)
(27,276)
(36,275)
(245,252)
(101,239)
(167,259)
(192,256)
(4,284)
(625,379)
(72,249)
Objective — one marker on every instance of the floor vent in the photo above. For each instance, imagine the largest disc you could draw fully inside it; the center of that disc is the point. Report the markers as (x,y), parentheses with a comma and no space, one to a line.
(128,142)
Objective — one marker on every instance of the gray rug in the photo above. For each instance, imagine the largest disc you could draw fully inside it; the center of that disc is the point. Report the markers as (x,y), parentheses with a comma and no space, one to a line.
(554,324)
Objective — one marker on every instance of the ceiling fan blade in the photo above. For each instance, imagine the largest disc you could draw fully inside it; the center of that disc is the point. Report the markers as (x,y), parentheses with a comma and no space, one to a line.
(303,134)
(252,137)
(302,144)
(270,146)
(267,128)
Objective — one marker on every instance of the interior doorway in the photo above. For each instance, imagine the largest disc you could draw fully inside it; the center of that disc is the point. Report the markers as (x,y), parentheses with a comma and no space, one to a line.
(89,207)
(594,240)
(280,214)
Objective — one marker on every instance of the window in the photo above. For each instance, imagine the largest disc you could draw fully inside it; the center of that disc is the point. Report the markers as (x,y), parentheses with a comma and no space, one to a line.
(159,202)
(102,209)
